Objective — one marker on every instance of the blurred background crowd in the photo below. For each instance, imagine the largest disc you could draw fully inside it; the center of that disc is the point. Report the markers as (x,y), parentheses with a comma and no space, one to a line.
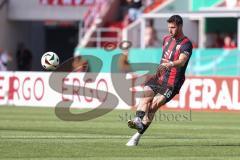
(30,28)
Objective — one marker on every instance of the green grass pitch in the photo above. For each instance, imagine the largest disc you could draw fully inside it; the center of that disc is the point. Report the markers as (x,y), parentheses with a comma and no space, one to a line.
(36,133)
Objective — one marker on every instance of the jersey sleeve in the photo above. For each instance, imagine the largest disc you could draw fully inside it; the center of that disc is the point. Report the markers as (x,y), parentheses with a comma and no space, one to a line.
(186,49)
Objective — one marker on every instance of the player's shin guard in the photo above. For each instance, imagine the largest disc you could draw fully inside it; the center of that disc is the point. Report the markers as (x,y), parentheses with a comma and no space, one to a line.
(140,114)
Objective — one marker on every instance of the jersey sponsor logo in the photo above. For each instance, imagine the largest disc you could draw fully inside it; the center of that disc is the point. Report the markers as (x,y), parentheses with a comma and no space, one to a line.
(178,47)
(167,54)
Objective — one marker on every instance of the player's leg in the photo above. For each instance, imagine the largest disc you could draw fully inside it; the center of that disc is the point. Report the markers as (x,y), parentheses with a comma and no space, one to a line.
(136,123)
(145,102)
(148,94)
(142,108)
(157,103)
(164,95)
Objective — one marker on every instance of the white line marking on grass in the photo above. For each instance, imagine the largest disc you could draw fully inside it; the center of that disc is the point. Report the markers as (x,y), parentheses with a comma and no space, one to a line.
(63,137)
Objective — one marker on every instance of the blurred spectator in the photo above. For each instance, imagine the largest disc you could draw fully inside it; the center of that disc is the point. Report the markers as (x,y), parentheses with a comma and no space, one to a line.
(223,40)
(123,63)
(80,65)
(150,38)
(134,9)
(229,43)
(219,41)
(238,3)
(230,3)
(131,10)
(215,40)
(24,58)
(5,58)
(233,44)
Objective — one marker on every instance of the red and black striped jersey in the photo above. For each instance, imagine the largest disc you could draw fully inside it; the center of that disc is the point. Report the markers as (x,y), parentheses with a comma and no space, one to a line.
(172,48)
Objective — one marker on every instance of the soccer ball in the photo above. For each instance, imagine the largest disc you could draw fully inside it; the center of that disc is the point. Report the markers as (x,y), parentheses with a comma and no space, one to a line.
(50,61)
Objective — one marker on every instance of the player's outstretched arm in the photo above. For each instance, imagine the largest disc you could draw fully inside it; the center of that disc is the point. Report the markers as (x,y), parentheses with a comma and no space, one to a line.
(178,63)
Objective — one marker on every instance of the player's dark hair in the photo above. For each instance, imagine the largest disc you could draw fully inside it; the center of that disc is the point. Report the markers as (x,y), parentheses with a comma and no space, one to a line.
(175,19)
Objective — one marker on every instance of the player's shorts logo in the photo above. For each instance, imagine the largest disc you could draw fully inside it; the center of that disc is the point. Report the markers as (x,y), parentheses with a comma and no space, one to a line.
(168,93)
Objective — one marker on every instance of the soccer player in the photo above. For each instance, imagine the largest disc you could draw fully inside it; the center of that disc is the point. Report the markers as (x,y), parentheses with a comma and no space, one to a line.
(169,78)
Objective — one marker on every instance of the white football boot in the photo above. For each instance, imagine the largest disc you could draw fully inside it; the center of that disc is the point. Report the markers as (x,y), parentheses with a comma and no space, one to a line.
(136,123)
(134,140)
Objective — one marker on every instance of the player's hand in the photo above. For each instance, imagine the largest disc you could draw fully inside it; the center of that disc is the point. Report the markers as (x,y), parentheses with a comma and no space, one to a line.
(165,60)
(166,63)
(161,68)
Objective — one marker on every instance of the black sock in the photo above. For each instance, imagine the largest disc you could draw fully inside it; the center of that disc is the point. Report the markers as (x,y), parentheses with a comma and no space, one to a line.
(145,127)
(140,114)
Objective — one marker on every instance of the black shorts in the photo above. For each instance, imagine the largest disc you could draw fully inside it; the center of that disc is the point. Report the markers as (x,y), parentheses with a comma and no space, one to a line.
(167,91)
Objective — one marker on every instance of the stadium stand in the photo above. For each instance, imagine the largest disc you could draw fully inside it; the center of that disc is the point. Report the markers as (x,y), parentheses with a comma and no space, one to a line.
(117,23)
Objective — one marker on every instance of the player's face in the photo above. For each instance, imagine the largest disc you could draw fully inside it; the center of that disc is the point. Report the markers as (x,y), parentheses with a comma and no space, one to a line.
(173,29)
